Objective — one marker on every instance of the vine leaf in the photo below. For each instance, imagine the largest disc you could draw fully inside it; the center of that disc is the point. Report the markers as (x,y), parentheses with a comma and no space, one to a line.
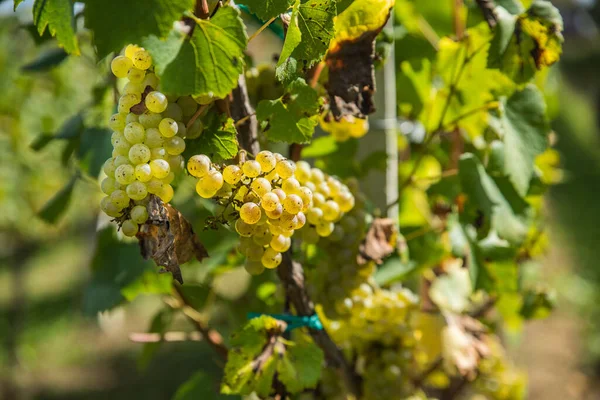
(351,56)
(218,140)
(259,352)
(451,291)
(58,204)
(525,129)
(58,17)
(267,9)
(168,238)
(113,30)
(199,386)
(528,42)
(310,30)
(496,198)
(292,117)
(380,242)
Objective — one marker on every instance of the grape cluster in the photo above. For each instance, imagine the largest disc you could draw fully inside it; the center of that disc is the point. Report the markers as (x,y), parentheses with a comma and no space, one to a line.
(268,199)
(149,132)
(347,127)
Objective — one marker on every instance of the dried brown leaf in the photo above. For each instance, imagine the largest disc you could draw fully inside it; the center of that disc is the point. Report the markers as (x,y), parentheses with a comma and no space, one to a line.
(168,238)
(466,343)
(380,242)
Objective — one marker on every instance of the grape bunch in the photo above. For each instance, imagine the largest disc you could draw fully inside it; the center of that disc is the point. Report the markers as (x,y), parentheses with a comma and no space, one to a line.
(345,128)
(149,131)
(269,198)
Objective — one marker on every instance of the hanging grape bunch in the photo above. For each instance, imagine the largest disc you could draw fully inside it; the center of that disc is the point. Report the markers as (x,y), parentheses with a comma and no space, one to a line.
(268,199)
(148,138)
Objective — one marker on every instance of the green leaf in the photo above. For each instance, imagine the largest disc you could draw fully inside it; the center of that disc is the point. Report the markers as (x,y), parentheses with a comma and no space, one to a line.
(292,117)
(301,367)
(526,131)
(37,38)
(199,386)
(148,283)
(47,60)
(57,205)
(58,17)
(218,140)
(195,295)
(503,34)
(94,149)
(133,21)
(308,36)
(115,265)
(497,199)
(161,321)
(16,4)
(394,269)
(71,129)
(320,147)
(41,141)
(451,291)
(266,9)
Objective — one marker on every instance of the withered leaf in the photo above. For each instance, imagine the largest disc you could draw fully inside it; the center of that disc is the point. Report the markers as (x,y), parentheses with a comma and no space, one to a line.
(168,238)
(380,242)
(465,344)
(140,107)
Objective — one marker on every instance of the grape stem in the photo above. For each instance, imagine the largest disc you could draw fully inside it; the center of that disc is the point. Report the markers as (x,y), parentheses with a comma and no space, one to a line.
(262,28)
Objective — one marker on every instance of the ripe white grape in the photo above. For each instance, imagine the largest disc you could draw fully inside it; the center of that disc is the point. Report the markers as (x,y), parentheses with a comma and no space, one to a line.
(287,221)
(271,258)
(150,120)
(168,127)
(125,174)
(153,138)
(316,175)
(129,228)
(280,243)
(293,204)
(120,198)
(345,200)
(270,201)
(130,51)
(176,162)
(285,169)
(276,213)
(232,174)
(169,178)
(175,145)
(120,160)
(158,153)
(267,160)
(133,87)
(166,193)
(136,75)
(134,132)
(109,185)
(195,130)
(131,117)
(188,105)
(143,172)
(199,166)
(290,186)
(250,213)
(109,208)
(314,215)
(243,228)
(280,193)
(251,168)
(117,122)
(155,186)
(137,190)
(254,267)
(331,210)
(156,102)
(160,168)
(150,80)
(139,154)
(173,111)
(301,220)
(303,171)
(325,228)
(109,167)
(139,214)
(261,186)
(142,59)
(127,101)
(254,252)
(120,65)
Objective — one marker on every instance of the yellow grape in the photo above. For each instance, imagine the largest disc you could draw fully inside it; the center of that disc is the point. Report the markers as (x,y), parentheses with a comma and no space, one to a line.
(276,213)
(143,172)
(109,208)
(160,168)
(331,210)
(130,51)
(271,258)
(250,213)
(158,153)
(251,168)
(303,172)
(109,185)
(156,102)
(150,80)
(131,117)
(153,138)
(136,75)
(290,186)
(232,174)
(175,145)
(154,186)
(137,190)
(325,228)
(176,162)
(127,101)
(280,243)
(267,160)
(204,191)
(254,252)
(345,200)
(129,228)
(270,201)
(120,65)
(120,199)
(142,59)
(150,119)
(254,267)
(120,160)
(293,204)
(243,228)
(261,186)
(139,154)
(199,165)
(280,193)
(316,176)
(301,220)
(285,169)
(166,193)
(125,174)
(139,214)
(314,215)
(168,127)
(288,221)
(134,132)
(117,122)
(109,167)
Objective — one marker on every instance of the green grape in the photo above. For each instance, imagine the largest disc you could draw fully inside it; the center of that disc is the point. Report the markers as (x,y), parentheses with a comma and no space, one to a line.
(254,252)
(109,208)
(168,127)
(280,243)
(199,166)
(137,190)
(276,213)
(173,111)
(150,80)
(166,193)
(176,162)
(301,220)
(204,99)
(139,214)
(188,105)
(271,258)
(325,228)
(280,193)
(181,129)
(129,228)
(117,122)
(250,213)
(244,229)
(134,88)
(143,172)
(131,117)
(261,186)
(150,119)
(195,130)
(169,178)
(125,174)
(160,168)
(127,101)
(251,168)
(293,204)
(158,153)
(303,172)
(109,167)
(134,132)
(142,59)
(153,138)
(139,154)
(136,75)
(120,198)
(270,201)
(314,215)
(345,200)
(254,267)
(120,160)
(318,199)
(175,145)
(117,138)
(316,176)
(290,186)
(331,211)
(156,102)
(231,174)
(120,65)
(285,169)
(109,185)
(267,161)
(154,186)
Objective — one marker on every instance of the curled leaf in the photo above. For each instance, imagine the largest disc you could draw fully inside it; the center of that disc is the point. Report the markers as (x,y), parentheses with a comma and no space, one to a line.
(464,345)
(380,242)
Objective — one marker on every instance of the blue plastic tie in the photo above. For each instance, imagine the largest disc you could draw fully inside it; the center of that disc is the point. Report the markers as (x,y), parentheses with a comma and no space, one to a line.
(294,321)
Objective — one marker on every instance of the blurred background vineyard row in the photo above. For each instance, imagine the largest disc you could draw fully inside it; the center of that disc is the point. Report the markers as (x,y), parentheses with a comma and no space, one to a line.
(51,350)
